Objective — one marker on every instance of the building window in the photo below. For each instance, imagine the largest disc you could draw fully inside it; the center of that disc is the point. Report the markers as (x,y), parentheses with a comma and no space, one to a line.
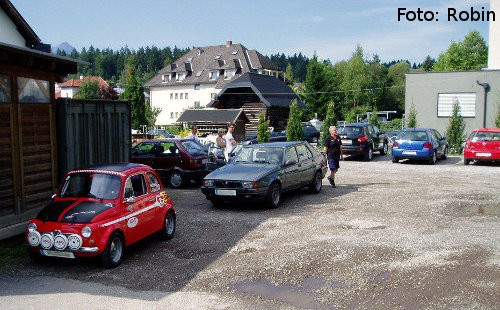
(165,78)
(171,96)
(213,75)
(171,114)
(31,90)
(180,76)
(196,86)
(197,104)
(176,115)
(466,102)
(213,96)
(228,74)
(176,96)
(5,88)
(181,95)
(186,96)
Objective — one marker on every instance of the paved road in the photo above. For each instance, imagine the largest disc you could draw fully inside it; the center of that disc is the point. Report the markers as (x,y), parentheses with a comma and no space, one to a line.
(405,236)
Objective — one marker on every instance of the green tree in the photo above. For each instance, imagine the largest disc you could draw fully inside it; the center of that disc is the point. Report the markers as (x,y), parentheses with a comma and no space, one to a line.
(289,73)
(330,120)
(455,132)
(471,54)
(316,88)
(497,121)
(89,90)
(134,91)
(294,127)
(263,134)
(397,78)
(373,119)
(412,117)
(428,63)
(152,115)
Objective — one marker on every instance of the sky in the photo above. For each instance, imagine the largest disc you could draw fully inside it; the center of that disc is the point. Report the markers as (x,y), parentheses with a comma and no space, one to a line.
(330,28)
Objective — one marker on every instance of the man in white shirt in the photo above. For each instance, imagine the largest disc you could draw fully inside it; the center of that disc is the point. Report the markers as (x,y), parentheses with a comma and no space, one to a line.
(193,135)
(230,142)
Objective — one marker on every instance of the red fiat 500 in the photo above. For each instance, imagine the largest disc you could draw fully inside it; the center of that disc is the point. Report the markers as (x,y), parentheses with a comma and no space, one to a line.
(482,145)
(101,210)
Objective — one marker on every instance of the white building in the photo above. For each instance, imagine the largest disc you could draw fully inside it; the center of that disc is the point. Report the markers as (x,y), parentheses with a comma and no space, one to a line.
(197,77)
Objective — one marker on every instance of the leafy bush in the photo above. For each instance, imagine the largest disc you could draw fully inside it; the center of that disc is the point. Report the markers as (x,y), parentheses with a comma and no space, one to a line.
(330,120)
(412,118)
(497,121)
(455,132)
(374,118)
(263,134)
(184,133)
(175,130)
(395,124)
(294,127)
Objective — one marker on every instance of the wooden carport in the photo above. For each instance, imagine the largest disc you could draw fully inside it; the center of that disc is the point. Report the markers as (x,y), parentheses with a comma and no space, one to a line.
(28,159)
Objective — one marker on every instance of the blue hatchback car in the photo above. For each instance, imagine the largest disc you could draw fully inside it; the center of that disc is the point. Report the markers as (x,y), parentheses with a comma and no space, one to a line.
(421,144)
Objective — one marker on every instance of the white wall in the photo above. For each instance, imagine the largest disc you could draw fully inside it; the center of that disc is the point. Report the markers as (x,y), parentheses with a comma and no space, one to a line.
(8,32)
(494,37)
(160,97)
(69,92)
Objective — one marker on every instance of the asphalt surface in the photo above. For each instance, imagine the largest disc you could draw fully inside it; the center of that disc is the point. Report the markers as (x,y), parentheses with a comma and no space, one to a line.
(398,236)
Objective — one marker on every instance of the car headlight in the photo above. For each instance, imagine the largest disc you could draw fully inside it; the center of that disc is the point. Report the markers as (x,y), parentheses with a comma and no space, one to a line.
(250,184)
(86,231)
(32,227)
(208,183)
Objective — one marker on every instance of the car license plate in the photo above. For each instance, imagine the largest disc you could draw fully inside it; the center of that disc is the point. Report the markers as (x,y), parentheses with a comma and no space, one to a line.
(483,154)
(347,142)
(57,254)
(409,153)
(225,192)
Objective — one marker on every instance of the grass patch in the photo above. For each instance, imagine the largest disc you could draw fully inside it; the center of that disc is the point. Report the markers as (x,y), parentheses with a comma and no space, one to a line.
(12,255)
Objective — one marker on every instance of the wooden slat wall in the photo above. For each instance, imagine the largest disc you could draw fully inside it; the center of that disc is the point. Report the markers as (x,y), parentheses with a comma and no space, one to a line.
(37,153)
(6,171)
(252,111)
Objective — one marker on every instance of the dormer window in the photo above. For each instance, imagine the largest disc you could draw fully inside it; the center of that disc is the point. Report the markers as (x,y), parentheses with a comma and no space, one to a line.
(214,74)
(165,78)
(181,76)
(229,73)
(217,57)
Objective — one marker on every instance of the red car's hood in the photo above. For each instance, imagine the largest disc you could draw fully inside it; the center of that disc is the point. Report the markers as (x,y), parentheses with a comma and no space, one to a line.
(73,211)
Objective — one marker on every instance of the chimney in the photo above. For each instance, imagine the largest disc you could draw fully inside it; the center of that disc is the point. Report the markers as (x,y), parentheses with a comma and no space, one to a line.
(81,77)
(200,50)
(229,43)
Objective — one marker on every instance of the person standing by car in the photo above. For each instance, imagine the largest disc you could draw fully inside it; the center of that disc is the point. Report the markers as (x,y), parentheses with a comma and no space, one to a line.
(230,142)
(333,151)
(193,135)
(221,140)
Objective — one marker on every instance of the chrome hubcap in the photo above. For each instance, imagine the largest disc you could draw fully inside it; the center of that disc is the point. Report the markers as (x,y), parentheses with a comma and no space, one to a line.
(116,250)
(169,224)
(176,179)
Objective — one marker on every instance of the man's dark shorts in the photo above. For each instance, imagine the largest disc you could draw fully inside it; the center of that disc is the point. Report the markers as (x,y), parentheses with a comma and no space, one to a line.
(333,163)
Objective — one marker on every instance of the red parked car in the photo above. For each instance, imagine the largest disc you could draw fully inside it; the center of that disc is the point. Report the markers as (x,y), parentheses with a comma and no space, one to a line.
(177,161)
(99,211)
(482,145)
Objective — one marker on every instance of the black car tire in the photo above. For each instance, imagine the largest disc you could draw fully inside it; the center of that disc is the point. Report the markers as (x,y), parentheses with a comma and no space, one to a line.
(445,153)
(433,159)
(368,155)
(113,254)
(395,160)
(385,149)
(316,184)
(314,140)
(175,179)
(273,197)
(466,161)
(169,223)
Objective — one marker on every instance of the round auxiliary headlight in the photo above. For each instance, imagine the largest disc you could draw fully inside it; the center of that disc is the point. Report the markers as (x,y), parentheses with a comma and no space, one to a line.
(34,238)
(74,242)
(32,227)
(60,242)
(47,241)
(86,231)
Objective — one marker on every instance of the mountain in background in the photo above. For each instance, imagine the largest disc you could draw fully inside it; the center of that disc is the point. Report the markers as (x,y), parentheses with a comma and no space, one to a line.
(65,46)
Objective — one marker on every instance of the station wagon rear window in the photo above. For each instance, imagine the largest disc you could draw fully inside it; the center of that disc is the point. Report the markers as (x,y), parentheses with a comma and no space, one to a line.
(484,136)
(350,130)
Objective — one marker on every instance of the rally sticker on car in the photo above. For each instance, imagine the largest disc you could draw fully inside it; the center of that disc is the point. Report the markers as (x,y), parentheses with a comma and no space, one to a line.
(132,222)
(161,199)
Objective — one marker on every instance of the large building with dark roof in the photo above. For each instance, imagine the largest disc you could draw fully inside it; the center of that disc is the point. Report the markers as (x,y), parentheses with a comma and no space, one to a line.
(196,78)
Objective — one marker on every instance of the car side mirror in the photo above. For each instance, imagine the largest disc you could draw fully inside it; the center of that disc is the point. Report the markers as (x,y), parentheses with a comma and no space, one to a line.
(290,162)
(129,200)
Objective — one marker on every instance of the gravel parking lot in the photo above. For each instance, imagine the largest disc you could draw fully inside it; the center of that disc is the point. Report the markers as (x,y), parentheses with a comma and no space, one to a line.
(399,236)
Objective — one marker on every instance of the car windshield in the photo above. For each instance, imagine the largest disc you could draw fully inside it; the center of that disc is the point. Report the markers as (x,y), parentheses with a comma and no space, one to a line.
(194,148)
(92,185)
(266,155)
(484,136)
(350,130)
(413,135)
